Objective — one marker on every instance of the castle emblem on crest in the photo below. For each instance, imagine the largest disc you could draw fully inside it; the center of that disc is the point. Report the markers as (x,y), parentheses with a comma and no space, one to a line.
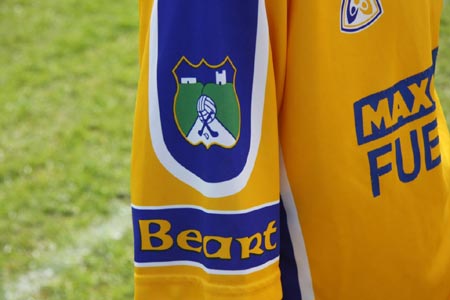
(357,15)
(206,106)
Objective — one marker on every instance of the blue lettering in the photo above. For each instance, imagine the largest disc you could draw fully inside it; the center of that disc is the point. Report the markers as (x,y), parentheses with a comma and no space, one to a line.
(402,175)
(376,171)
(429,145)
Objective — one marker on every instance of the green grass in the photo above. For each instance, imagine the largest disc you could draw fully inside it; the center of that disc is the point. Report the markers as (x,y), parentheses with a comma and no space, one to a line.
(68,80)
(443,70)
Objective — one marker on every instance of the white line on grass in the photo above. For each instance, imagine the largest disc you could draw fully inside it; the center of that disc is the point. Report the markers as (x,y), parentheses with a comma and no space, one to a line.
(28,285)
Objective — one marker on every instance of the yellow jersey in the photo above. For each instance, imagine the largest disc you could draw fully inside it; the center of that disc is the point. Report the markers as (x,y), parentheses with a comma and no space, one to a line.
(290,149)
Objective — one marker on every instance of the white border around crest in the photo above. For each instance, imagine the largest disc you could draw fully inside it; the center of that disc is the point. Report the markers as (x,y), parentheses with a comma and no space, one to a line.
(232,186)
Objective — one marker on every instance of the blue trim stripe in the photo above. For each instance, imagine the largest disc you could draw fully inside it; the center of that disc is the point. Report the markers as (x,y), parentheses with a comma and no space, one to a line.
(288,265)
(209,239)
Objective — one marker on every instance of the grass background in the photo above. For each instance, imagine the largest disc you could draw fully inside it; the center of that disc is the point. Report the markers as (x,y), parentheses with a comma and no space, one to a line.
(68,79)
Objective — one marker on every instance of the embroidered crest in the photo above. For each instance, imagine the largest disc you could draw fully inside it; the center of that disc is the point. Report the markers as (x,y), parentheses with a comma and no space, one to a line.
(357,15)
(206,105)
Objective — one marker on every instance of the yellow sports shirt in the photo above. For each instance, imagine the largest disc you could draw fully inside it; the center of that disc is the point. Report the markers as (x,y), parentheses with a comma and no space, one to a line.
(290,149)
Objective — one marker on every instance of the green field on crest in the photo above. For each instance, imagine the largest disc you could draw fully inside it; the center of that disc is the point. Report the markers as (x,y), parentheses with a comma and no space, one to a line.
(224,97)
(186,105)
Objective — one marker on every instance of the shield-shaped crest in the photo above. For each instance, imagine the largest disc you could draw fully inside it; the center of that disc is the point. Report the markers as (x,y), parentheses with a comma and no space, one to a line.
(206,106)
(357,15)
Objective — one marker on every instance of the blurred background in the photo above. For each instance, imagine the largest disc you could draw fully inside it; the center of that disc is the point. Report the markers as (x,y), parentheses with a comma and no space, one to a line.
(68,81)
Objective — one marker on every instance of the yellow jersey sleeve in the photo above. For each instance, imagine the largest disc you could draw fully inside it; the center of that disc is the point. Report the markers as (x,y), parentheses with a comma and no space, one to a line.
(290,150)
(205,193)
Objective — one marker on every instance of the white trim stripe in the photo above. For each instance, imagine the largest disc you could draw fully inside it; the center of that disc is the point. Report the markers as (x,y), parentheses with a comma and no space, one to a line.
(207,270)
(296,234)
(209,211)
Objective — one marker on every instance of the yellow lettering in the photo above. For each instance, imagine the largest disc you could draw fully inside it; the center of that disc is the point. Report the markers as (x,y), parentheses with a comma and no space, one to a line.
(161,234)
(156,236)
(246,244)
(224,247)
(187,236)
(399,108)
(376,117)
(267,234)
(420,96)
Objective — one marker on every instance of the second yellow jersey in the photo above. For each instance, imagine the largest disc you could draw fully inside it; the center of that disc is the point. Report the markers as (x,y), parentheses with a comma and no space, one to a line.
(290,149)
